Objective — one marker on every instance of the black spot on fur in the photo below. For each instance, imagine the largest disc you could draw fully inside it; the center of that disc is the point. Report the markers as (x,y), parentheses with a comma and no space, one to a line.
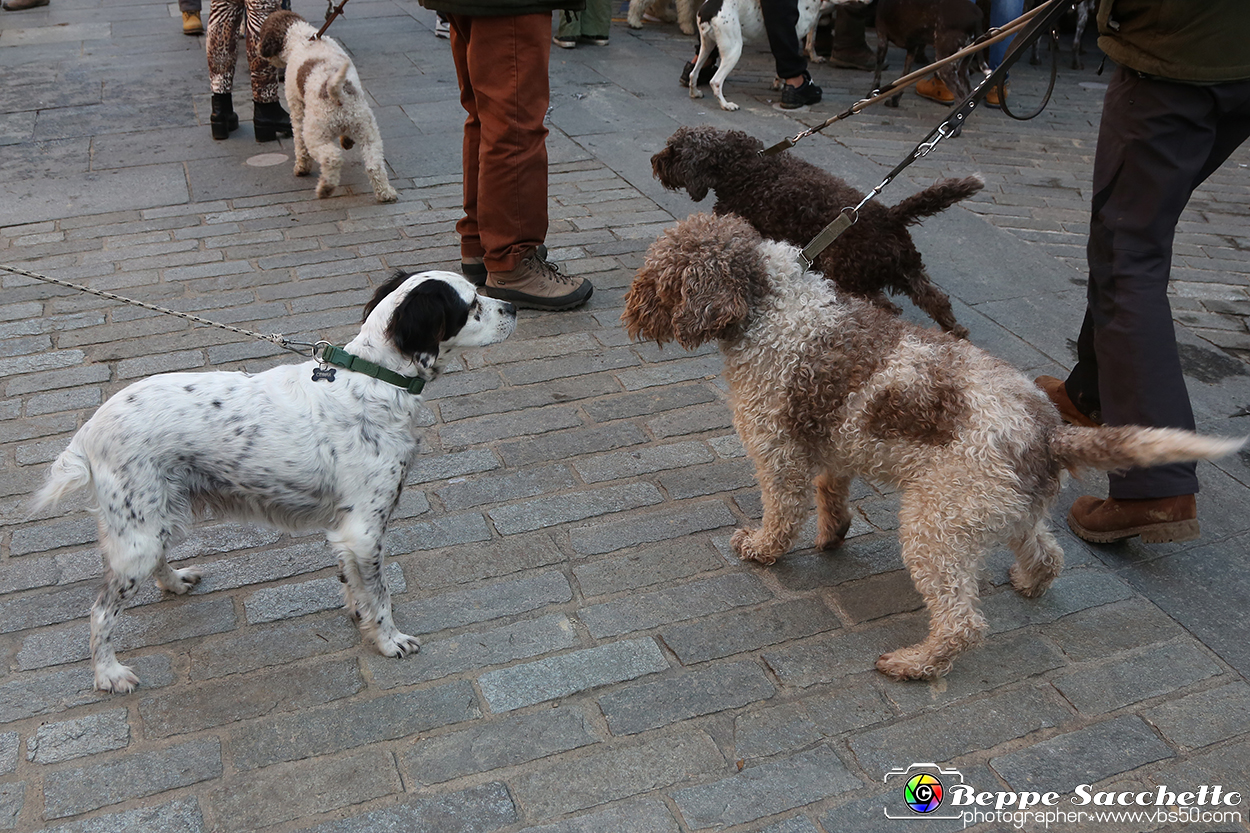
(432,312)
(392,283)
(709,10)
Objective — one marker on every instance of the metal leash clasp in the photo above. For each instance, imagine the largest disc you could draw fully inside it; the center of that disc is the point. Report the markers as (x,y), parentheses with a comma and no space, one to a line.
(324,373)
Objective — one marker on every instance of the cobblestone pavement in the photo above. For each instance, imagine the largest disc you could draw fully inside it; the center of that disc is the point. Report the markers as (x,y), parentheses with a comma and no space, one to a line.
(594,658)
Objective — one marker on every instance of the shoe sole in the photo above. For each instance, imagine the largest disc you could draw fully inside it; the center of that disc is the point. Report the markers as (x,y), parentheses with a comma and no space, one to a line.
(935,98)
(526,301)
(1164,533)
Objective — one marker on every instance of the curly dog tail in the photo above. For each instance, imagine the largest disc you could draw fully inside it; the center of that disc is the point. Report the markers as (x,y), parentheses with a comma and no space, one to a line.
(939,196)
(1127,445)
(335,87)
(70,471)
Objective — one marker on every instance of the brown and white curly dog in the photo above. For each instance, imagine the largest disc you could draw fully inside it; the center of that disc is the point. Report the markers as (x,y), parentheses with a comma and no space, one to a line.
(827,387)
(787,198)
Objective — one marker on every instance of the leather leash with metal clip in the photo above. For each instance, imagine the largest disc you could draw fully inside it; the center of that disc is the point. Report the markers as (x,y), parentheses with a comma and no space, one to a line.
(1043,19)
(332,12)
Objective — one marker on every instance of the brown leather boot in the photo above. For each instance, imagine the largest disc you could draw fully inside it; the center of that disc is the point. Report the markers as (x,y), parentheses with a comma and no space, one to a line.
(538,284)
(1156,520)
(1058,394)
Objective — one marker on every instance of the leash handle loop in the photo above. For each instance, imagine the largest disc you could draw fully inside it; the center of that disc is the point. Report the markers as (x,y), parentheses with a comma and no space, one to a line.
(845,219)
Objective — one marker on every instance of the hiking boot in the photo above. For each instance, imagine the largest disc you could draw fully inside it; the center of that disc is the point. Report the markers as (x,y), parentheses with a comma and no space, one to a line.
(705,74)
(538,284)
(992,99)
(800,96)
(1156,520)
(934,89)
(1058,394)
(22,5)
(191,23)
(474,268)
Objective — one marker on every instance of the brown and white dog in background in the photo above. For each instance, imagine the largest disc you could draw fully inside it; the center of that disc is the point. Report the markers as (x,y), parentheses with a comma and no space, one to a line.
(826,388)
(329,112)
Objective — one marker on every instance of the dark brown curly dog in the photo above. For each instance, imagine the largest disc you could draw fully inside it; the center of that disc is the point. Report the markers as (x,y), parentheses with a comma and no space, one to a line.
(786,198)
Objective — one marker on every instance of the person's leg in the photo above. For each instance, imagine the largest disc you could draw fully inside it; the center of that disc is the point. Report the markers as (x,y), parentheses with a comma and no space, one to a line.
(597,21)
(850,46)
(264,74)
(781,19)
(471,250)
(223,26)
(568,29)
(1002,12)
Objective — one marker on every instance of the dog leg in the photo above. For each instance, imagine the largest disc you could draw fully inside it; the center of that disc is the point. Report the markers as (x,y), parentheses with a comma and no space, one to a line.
(330,159)
(636,9)
(879,299)
(686,10)
(943,564)
(178,582)
(359,549)
(111,675)
(833,516)
(785,506)
(303,162)
(375,166)
(705,51)
(1039,560)
(729,54)
(935,303)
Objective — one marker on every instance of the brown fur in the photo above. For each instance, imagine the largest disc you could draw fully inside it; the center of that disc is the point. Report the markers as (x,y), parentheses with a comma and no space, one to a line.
(787,198)
(946,25)
(827,388)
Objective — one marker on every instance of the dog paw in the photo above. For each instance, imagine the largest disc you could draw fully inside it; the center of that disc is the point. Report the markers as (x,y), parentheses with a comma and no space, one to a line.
(184,580)
(302,168)
(398,645)
(748,550)
(817,59)
(729,105)
(833,540)
(686,29)
(324,191)
(1028,586)
(116,678)
(389,195)
(695,92)
(908,664)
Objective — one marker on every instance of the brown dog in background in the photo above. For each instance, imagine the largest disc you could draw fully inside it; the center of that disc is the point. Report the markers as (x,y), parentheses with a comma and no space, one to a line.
(946,25)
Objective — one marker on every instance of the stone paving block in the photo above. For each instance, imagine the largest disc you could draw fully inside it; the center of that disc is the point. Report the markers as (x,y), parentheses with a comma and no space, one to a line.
(701,597)
(649,705)
(290,791)
(671,372)
(565,674)
(645,567)
(697,481)
(830,658)
(50,536)
(307,556)
(180,816)
(1073,591)
(67,792)
(876,596)
(766,789)
(481,604)
(342,726)
(642,461)
(497,488)
(642,816)
(1149,673)
(445,531)
(63,741)
(615,772)
(1085,756)
(508,741)
(714,637)
(9,743)
(564,444)
(491,559)
(287,601)
(1102,631)
(664,524)
(647,402)
(476,650)
(867,555)
(714,416)
(528,396)
(494,427)
(431,467)
(1204,717)
(234,699)
(539,513)
(794,725)
(12,800)
(1224,765)
(474,810)
(241,651)
(966,726)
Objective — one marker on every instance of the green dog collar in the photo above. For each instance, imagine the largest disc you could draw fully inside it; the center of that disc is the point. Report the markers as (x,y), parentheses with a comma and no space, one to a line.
(339,357)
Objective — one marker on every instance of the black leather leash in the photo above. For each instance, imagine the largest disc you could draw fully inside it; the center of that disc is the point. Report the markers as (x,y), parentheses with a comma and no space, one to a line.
(1043,20)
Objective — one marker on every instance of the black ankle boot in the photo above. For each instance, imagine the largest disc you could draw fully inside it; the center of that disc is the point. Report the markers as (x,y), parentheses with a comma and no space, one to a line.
(223,118)
(270,121)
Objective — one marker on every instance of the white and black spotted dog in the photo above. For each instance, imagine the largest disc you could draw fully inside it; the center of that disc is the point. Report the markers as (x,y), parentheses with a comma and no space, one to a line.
(300,447)
(725,24)
(329,113)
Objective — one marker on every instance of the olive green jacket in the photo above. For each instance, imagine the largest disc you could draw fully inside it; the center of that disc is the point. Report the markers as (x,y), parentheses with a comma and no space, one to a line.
(1202,41)
(485,8)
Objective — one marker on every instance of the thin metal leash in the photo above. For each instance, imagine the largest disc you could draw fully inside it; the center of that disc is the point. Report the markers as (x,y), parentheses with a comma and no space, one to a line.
(302,348)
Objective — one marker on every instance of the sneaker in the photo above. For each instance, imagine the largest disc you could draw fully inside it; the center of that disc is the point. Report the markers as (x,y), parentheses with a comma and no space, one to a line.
(794,97)
(474,268)
(992,99)
(191,23)
(564,41)
(1156,520)
(705,74)
(934,89)
(593,40)
(538,284)
(442,27)
(1058,394)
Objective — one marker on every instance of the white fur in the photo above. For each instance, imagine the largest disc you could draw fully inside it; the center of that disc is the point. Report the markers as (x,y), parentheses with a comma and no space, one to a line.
(276,447)
(329,112)
(738,21)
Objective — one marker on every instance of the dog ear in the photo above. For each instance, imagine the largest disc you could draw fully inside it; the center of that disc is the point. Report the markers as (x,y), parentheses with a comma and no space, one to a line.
(713,301)
(647,315)
(392,283)
(273,33)
(430,314)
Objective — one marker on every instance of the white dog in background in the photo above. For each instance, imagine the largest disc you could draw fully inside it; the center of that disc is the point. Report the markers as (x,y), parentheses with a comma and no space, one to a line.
(726,24)
(329,113)
(299,447)
(660,8)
